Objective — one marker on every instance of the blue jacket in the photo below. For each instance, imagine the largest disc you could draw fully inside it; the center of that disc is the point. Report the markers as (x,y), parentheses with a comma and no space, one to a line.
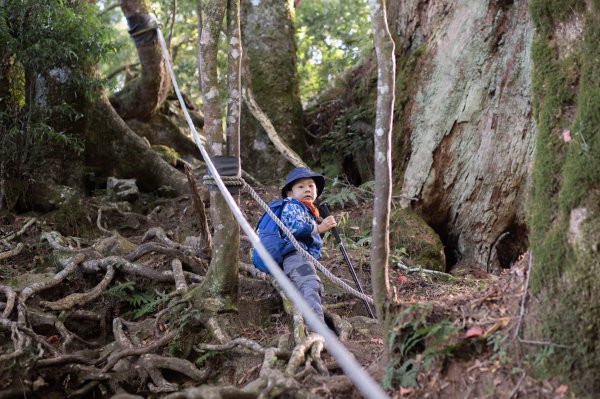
(301,223)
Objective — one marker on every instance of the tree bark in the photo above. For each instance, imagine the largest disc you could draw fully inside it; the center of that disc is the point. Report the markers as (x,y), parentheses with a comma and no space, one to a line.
(222,277)
(142,97)
(386,75)
(270,50)
(114,149)
(469,124)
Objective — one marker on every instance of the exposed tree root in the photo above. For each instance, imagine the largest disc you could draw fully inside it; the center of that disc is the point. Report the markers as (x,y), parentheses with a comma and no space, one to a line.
(81,298)
(50,330)
(13,252)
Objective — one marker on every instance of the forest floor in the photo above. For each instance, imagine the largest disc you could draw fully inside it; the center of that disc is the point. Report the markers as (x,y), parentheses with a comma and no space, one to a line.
(454,337)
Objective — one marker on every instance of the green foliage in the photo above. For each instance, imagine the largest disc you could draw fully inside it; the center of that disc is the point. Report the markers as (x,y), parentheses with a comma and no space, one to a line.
(44,40)
(332,35)
(414,333)
(146,303)
(121,291)
(340,193)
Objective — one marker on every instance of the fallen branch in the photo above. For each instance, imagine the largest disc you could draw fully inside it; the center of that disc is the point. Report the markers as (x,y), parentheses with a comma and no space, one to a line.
(266,124)
(408,270)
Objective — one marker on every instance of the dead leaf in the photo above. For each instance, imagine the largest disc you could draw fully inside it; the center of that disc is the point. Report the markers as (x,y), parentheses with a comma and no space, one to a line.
(503,322)
(474,332)
(405,391)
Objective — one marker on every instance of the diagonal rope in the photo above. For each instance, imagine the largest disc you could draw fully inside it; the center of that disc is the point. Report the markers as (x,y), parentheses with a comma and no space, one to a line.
(237,181)
(359,376)
(333,278)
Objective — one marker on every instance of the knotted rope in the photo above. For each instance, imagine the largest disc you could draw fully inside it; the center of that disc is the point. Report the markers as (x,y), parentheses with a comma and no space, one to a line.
(334,279)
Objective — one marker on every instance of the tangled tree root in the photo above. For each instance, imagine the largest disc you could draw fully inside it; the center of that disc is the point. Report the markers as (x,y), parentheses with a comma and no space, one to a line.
(47,345)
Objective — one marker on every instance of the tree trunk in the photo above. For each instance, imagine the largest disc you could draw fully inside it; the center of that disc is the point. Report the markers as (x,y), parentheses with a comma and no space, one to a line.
(386,75)
(270,48)
(469,124)
(112,148)
(563,206)
(142,97)
(222,280)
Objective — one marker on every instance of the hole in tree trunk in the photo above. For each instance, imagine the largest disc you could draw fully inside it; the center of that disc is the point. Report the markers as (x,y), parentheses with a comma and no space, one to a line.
(512,245)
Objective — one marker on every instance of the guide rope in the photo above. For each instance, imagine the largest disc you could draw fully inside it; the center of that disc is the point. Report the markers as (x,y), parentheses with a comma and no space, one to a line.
(361,379)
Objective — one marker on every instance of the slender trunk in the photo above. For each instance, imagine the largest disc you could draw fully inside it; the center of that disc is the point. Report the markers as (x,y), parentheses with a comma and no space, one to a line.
(386,70)
(222,276)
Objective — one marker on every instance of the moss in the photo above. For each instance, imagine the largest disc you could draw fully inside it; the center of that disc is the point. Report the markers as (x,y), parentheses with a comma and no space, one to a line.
(566,176)
(410,234)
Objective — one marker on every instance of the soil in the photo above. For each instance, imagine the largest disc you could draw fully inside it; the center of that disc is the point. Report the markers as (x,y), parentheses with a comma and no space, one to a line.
(464,327)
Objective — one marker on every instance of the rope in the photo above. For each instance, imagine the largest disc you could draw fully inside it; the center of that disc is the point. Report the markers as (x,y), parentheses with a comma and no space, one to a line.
(363,381)
(239,182)
(334,279)
(230,181)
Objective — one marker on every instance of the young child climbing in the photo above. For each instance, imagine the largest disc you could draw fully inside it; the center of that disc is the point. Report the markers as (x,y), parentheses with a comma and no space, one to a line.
(301,189)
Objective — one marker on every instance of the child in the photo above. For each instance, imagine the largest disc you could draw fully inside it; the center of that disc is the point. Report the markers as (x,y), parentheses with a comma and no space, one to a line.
(302,187)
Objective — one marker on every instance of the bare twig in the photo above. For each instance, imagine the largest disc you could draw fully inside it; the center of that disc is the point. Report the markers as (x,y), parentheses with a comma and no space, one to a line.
(525,289)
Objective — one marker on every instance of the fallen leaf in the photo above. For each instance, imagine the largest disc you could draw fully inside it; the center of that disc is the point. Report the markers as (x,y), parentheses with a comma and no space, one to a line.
(405,391)
(473,332)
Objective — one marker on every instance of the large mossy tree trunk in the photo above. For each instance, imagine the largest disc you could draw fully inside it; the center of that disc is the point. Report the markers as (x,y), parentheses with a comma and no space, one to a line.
(564,205)
(270,52)
(467,133)
(112,147)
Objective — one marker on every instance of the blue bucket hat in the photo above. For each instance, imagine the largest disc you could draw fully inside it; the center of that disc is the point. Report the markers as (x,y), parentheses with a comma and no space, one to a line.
(302,173)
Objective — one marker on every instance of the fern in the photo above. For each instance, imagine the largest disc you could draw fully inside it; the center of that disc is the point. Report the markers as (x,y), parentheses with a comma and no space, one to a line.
(120,291)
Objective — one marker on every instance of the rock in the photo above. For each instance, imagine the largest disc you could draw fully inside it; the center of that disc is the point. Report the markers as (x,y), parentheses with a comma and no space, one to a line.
(122,189)
(408,231)
(114,246)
